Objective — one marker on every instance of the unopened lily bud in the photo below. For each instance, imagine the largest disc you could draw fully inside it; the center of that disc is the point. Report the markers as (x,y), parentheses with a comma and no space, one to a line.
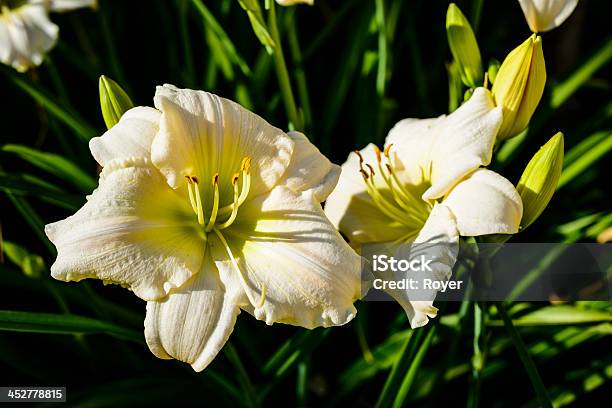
(464,47)
(32,265)
(544,15)
(540,178)
(493,70)
(114,102)
(519,86)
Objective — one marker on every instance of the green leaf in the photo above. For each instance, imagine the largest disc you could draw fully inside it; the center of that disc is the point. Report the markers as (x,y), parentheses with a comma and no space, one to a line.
(29,185)
(65,114)
(32,265)
(253,10)
(63,324)
(210,22)
(401,368)
(525,357)
(565,89)
(599,145)
(559,315)
(54,164)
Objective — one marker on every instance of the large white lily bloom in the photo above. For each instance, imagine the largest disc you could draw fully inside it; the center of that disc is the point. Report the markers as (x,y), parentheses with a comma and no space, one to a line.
(544,15)
(27,33)
(204,209)
(427,186)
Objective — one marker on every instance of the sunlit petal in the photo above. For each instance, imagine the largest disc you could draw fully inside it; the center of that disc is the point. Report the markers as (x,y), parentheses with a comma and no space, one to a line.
(485,203)
(193,323)
(130,137)
(133,231)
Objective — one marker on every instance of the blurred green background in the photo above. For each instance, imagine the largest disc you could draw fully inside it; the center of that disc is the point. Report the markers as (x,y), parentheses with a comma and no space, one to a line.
(357,67)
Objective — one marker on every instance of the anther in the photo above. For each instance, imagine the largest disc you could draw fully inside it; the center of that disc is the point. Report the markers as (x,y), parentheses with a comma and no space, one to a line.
(377,151)
(387,150)
(358,153)
(371,170)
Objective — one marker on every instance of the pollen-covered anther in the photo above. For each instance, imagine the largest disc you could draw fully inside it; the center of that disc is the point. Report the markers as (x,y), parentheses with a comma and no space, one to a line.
(387,150)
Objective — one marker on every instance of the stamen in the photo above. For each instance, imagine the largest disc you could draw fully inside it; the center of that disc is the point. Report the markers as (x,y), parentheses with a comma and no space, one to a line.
(191,197)
(358,153)
(215,207)
(199,209)
(387,149)
(401,207)
(235,205)
(246,186)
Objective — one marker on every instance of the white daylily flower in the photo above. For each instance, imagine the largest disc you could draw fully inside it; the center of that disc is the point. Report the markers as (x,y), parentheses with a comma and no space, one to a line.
(293,2)
(427,187)
(204,209)
(544,15)
(26,33)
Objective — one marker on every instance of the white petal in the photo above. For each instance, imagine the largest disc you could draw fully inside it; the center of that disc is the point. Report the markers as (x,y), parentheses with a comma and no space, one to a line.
(350,208)
(464,142)
(193,323)
(412,141)
(202,134)
(68,5)
(296,268)
(437,241)
(485,203)
(26,34)
(134,230)
(309,169)
(131,137)
(544,15)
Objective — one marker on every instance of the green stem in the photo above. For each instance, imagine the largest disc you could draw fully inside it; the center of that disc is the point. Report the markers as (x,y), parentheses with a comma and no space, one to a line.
(381,74)
(401,367)
(523,353)
(190,76)
(411,375)
(281,72)
(300,75)
(478,355)
(243,376)
(113,56)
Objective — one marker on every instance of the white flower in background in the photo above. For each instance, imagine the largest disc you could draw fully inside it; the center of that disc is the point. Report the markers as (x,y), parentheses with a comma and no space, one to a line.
(293,2)
(204,209)
(27,33)
(544,15)
(427,186)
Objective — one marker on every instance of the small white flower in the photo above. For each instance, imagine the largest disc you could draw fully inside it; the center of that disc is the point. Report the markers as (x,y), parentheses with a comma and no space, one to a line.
(26,33)
(427,186)
(544,15)
(204,209)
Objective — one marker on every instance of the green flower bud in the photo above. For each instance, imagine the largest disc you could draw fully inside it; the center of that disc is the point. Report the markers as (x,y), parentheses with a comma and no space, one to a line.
(464,47)
(493,70)
(114,102)
(519,85)
(32,265)
(540,178)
